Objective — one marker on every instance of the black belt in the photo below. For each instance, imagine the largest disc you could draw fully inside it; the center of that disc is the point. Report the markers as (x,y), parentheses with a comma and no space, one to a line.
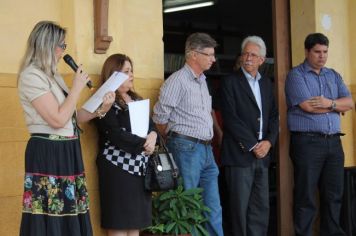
(316,134)
(196,140)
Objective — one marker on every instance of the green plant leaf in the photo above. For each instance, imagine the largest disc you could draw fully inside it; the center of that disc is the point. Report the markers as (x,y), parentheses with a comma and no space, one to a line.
(163,206)
(192,201)
(202,230)
(166,195)
(179,211)
(207,209)
(187,226)
(170,227)
(155,229)
(181,229)
(192,192)
(173,202)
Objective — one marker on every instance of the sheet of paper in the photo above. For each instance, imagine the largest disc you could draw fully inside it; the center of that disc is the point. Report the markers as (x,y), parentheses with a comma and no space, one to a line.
(112,84)
(139,117)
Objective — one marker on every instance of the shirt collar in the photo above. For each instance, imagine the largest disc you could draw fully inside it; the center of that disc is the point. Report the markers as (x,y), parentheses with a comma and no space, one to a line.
(201,78)
(250,77)
(308,68)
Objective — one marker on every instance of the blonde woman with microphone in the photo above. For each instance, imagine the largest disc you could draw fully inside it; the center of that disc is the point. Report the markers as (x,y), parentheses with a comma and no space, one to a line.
(55,200)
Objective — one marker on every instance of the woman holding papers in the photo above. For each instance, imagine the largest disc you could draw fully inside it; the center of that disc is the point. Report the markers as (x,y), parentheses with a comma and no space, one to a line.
(125,205)
(55,199)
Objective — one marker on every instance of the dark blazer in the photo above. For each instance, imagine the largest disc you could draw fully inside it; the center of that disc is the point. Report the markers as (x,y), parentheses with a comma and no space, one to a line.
(116,128)
(241,119)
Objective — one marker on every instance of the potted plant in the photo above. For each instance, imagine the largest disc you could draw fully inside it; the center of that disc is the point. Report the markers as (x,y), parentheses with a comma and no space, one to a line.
(178,212)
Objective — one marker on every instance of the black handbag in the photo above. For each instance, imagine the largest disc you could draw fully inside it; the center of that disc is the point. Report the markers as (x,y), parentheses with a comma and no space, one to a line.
(161,171)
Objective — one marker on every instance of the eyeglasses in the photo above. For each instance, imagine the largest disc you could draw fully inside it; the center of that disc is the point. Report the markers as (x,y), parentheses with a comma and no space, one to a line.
(252,55)
(206,54)
(63,46)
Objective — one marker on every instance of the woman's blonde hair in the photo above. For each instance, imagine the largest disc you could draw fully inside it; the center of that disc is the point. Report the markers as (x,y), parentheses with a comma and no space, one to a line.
(41,45)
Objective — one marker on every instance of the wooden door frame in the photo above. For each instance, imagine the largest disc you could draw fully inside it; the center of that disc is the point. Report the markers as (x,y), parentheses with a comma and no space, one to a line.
(282,56)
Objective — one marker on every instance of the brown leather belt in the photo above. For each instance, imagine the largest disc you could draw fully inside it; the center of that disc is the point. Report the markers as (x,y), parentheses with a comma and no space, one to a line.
(196,140)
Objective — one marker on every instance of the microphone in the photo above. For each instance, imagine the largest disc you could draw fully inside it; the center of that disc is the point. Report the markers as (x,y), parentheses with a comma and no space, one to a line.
(69,60)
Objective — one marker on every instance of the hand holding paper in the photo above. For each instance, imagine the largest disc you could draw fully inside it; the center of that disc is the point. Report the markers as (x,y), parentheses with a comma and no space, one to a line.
(111,85)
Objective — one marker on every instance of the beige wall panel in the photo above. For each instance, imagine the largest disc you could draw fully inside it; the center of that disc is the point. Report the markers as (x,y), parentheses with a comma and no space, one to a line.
(352,37)
(12,168)
(329,22)
(12,122)
(148,88)
(8,80)
(136,29)
(302,23)
(95,213)
(90,150)
(347,125)
(10,216)
(352,53)
(86,92)
(336,28)
(353,92)
(17,18)
(142,40)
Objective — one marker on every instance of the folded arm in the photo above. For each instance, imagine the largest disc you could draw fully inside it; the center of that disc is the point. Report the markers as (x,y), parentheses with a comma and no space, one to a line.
(321,104)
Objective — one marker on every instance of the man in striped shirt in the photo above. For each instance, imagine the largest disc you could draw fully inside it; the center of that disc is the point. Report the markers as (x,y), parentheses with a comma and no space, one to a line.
(316,95)
(183,115)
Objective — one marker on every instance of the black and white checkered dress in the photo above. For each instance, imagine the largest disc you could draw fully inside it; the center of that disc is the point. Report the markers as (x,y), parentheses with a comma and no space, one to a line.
(134,164)
(124,202)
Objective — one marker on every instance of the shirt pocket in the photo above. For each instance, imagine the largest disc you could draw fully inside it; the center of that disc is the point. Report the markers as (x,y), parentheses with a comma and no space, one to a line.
(195,99)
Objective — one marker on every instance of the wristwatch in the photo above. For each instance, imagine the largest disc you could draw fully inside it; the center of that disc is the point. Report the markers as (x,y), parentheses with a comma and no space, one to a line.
(333,106)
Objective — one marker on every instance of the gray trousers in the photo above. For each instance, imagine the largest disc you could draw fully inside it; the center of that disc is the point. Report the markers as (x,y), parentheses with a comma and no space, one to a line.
(248,193)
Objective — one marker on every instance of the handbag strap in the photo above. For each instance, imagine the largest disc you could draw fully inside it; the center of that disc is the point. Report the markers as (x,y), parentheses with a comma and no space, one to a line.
(170,157)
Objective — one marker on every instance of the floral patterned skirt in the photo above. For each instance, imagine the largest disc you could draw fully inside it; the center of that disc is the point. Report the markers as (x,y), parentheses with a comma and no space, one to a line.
(55,199)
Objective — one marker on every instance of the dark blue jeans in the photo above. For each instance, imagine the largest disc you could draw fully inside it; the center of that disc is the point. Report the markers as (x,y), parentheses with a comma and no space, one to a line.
(198,168)
(318,163)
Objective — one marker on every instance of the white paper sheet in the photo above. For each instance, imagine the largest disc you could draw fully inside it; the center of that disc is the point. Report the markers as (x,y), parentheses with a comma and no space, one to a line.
(139,117)
(112,84)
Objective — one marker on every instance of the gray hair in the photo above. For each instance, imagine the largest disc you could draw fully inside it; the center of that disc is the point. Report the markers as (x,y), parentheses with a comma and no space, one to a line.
(41,45)
(199,41)
(255,40)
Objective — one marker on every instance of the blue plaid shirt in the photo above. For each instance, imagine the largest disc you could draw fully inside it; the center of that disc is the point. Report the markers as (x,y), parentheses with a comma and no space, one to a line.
(303,83)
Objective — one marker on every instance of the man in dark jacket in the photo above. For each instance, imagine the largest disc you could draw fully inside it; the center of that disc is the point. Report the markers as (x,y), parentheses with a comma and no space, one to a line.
(250,119)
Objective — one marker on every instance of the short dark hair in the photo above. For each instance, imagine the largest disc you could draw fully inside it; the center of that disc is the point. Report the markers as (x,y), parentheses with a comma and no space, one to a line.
(199,41)
(316,38)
